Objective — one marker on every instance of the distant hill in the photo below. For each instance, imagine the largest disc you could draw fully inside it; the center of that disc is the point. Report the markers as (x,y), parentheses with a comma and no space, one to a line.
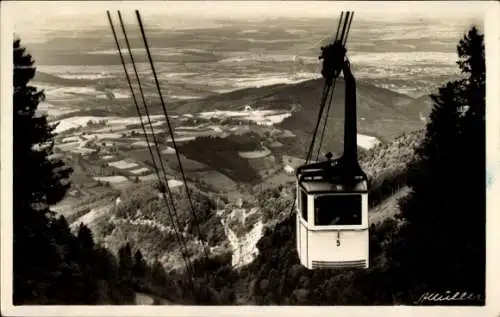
(57,80)
(381,112)
(421,104)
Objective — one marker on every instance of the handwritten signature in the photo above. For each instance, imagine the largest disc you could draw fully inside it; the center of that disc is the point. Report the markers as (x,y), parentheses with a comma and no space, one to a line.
(448,296)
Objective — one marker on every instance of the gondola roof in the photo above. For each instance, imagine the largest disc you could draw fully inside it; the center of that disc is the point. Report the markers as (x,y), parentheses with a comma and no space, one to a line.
(326,187)
(334,176)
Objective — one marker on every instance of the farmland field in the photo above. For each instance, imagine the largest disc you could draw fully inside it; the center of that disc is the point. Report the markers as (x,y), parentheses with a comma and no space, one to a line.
(219,181)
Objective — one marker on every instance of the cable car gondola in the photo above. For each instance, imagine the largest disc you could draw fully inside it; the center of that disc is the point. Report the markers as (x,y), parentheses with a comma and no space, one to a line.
(332,195)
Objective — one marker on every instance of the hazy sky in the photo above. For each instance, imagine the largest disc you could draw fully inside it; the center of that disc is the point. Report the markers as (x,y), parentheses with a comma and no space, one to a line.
(32,19)
(27,12)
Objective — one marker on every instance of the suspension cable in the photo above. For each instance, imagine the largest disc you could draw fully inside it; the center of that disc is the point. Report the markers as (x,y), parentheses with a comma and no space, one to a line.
(333,89)
(348,28)
(171,131)
(343,41)
(328,104)
(330,87)
(338,25)
(326,91)
(171,206)
(179,237)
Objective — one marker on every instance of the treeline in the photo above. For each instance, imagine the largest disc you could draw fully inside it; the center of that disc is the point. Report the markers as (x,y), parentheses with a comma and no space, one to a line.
(142,201)
(71,269)
(246,142)
(387,165)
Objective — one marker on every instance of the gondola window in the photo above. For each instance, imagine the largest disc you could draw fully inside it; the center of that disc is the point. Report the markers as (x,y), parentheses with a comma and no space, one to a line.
(332,210)
(303,204)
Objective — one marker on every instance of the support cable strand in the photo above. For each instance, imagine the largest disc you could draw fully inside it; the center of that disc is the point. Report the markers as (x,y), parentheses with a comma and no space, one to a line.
(169,202)
(181,242)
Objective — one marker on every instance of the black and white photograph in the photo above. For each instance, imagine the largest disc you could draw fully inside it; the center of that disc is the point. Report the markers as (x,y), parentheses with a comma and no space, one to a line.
(248,153)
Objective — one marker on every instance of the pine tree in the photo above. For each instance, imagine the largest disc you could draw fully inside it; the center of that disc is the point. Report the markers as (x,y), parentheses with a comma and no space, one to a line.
(87,261)
(85,240)
(158,274)
(473,139)
(442,246)
(51,264)
(40,179)
(139,267)
(125,277)
(126,262)
(106,271)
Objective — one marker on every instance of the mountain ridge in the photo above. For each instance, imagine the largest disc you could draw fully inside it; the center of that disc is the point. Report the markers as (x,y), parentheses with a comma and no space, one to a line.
(382,113)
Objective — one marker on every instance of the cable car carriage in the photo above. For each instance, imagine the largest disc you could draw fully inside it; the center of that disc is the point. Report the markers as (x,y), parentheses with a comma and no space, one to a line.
(332,216)
(332,195)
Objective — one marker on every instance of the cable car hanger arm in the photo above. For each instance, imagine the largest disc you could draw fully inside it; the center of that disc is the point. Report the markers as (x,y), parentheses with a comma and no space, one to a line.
(335,61)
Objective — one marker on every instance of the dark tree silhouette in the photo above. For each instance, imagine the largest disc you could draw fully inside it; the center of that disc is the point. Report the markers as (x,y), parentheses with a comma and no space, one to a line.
(139,267)
(444,239)
(126,262)
(51,264)
(40,179)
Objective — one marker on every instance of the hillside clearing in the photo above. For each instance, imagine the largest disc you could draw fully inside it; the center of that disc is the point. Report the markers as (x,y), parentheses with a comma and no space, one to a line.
(141,170)
(123,164)
(387,208)
(92,216)
(366,141)
(255,154)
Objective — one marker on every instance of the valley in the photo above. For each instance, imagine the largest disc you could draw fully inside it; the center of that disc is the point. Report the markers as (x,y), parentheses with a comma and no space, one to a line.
(230,152)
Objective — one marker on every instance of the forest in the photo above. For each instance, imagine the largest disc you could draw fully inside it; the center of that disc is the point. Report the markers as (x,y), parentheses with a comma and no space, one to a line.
(223,155)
